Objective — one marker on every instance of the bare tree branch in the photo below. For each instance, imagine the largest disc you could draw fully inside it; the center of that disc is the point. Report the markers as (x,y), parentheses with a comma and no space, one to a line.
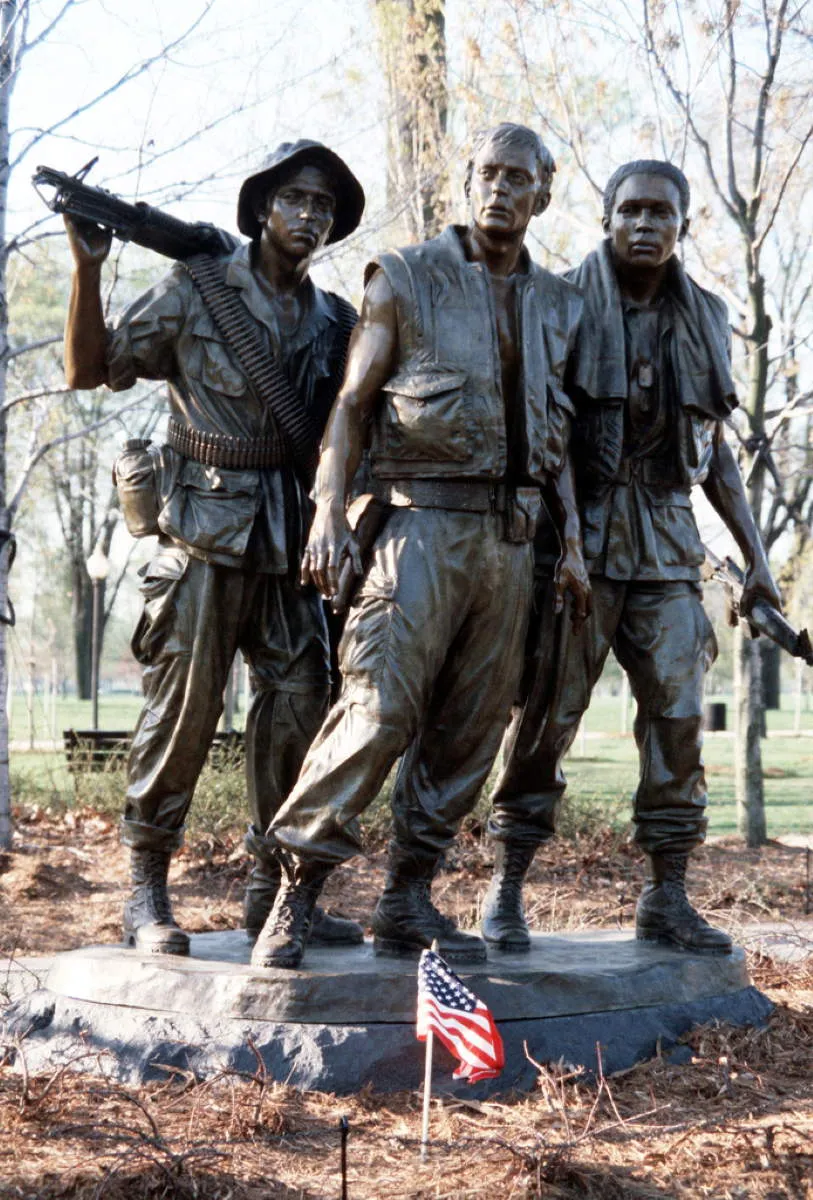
(784,186)
(27,397)
(128,76)
(35,455)
(29,347)
(682,101)
(25,46)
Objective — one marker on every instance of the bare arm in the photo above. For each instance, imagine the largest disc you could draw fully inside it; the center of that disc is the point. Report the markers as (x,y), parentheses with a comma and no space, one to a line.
(371,362)
(571,572)
(85,332)
(726,494)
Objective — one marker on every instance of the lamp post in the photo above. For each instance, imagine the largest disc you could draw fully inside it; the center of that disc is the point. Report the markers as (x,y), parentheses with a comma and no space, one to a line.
(98,568)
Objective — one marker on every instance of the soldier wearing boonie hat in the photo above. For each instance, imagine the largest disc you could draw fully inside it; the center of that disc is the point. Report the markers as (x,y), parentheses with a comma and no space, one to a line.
(232,517)
(285,161)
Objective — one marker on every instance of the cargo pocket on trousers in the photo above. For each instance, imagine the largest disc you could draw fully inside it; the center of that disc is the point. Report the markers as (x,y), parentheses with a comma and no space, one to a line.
(366,638)
(161,578)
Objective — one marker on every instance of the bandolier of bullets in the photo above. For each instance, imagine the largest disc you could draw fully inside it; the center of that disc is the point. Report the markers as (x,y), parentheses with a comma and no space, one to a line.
(227,452)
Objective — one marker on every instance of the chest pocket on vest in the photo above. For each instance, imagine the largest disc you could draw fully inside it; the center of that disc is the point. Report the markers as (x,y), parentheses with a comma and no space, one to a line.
(425,418)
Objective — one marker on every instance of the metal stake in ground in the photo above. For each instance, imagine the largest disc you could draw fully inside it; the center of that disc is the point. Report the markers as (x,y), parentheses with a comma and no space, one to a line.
(344,1127)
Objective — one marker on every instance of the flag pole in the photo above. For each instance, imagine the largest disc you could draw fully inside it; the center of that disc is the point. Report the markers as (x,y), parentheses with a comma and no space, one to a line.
(427,1083)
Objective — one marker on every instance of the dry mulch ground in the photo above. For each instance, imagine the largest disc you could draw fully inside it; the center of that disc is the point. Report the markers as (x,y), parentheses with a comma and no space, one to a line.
(737,1121)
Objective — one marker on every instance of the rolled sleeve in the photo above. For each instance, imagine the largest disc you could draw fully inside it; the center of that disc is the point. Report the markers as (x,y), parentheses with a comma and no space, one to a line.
(141,340)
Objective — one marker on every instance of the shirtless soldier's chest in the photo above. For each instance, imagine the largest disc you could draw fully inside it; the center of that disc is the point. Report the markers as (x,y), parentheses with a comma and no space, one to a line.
(505,306)
(507,339)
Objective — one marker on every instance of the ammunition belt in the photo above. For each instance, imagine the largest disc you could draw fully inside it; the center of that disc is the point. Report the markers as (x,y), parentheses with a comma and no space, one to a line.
(458,495)
(227,452)
(264,373)
(296,425)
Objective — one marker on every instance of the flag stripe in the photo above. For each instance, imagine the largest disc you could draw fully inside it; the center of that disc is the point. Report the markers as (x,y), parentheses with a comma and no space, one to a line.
(458,1046)
(471,1036)
(478,1033)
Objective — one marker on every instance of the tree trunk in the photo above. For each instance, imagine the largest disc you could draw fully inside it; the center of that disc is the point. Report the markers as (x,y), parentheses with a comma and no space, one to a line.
(84,538)
(8,13)
(747,748)
(771,675)
(412,46)
(748,695)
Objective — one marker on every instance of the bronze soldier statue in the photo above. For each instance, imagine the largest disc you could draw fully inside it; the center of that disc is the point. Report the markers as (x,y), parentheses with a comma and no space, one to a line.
(456,367)
(652,386)
(234,511)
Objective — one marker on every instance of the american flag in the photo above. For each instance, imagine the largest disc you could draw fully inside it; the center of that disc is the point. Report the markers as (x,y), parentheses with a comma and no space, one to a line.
(459,1019)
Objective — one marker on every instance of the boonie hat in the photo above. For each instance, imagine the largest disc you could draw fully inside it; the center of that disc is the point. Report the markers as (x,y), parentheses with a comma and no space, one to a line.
(283,161)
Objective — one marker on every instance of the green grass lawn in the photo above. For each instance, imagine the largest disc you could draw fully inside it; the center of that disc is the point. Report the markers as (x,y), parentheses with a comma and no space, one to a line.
(602,767)
(604,714)
(118,711)
(607,774)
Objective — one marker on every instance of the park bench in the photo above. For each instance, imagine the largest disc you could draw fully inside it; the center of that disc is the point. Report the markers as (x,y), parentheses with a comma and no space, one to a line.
(107,749)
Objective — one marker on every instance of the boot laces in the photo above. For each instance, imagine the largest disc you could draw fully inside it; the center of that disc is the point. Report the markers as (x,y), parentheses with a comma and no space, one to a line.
(511,877)
(681,905)
(155,893)
(292,908)
(423,896)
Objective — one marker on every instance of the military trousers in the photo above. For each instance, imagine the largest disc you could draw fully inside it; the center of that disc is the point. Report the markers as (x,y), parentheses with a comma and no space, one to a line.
(430,659)
(196,616)
(662,638)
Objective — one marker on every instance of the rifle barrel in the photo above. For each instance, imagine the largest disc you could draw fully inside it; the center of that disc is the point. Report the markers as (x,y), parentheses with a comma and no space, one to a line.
(139,222)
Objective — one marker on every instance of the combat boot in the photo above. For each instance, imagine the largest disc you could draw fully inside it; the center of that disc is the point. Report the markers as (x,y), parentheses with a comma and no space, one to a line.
(503,921)
(281,941)
(405,920)
(261,891)
(665,915)
(148,921)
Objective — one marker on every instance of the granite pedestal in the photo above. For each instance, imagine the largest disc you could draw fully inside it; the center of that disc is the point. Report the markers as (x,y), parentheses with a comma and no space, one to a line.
(346,1019)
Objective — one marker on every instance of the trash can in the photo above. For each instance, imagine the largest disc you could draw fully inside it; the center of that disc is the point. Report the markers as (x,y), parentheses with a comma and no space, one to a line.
(714,716)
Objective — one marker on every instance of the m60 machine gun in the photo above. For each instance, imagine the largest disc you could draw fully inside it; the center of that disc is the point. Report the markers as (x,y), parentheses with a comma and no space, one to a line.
(139,222)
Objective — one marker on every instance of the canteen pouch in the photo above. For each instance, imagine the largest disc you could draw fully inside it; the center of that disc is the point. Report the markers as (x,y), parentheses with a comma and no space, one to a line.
(144,475)
(521,515)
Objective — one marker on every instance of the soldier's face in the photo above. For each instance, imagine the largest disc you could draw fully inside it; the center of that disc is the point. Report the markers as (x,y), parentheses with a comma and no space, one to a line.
(505,189)
(646,221)
(298,216)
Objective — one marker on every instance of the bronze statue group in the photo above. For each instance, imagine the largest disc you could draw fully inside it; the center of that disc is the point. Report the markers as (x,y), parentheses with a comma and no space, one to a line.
(532,441)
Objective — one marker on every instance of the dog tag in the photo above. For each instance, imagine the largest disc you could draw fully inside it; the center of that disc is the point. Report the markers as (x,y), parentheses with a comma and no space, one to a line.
(646,374)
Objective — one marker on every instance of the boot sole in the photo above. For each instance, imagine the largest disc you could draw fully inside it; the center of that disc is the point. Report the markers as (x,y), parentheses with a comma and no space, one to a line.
(275,964)
(663,939)
(179,947)
(389,948)
(509,946)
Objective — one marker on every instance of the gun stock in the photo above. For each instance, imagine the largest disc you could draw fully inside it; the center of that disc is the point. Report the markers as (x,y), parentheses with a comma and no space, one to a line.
(139,222)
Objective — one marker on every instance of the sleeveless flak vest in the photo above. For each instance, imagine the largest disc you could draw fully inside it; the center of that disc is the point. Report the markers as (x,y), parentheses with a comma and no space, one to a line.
(442,414)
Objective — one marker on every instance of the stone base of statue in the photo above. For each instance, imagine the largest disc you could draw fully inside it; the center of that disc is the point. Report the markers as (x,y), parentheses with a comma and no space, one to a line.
(346,1019)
